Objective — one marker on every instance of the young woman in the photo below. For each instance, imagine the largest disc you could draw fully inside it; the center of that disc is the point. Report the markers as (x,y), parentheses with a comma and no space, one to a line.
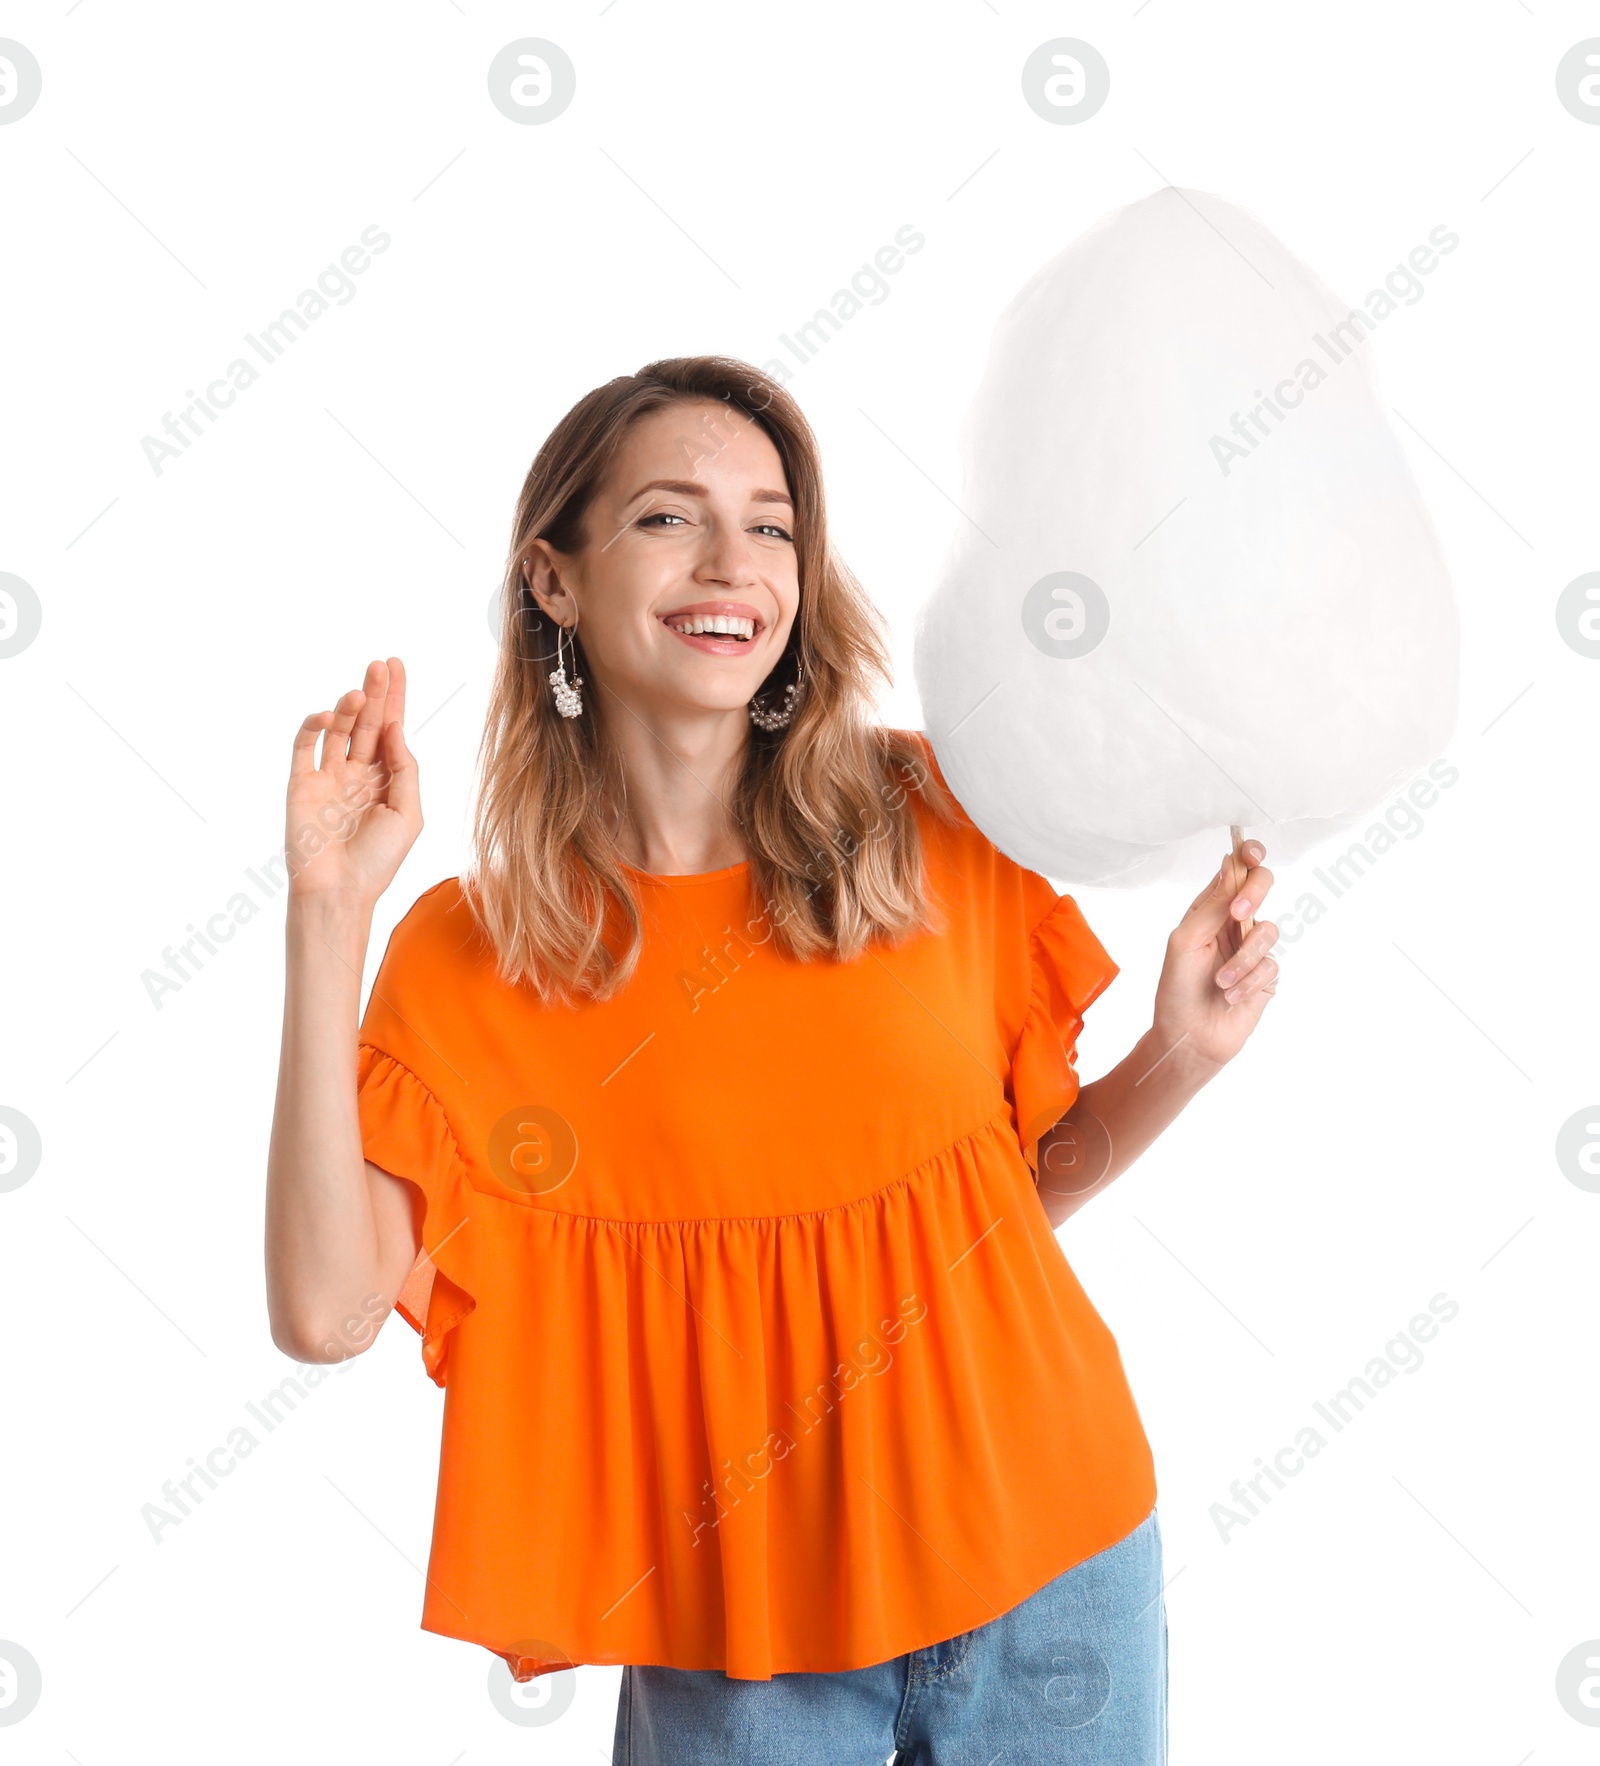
(712,1131)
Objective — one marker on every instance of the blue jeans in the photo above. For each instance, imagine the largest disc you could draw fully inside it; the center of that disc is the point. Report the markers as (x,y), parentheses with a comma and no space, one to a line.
(1076,1673)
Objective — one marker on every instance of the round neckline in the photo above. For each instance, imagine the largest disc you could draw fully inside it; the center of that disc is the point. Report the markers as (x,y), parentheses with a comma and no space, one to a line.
(686,876)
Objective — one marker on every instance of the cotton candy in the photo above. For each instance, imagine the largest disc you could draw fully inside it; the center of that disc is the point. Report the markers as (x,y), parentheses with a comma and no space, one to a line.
(1160,614)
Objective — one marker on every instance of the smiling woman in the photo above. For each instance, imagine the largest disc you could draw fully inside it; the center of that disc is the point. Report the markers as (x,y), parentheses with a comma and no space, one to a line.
(737,1052)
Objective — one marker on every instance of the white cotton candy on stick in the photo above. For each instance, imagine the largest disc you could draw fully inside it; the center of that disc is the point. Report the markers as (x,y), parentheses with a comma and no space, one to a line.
(1267,637)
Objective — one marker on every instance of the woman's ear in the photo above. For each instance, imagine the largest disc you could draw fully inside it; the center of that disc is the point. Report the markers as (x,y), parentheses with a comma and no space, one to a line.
(543,580)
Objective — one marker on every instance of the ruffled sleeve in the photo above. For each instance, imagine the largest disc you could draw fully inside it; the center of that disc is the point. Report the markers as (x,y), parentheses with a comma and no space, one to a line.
(1069,970)
(404,1130)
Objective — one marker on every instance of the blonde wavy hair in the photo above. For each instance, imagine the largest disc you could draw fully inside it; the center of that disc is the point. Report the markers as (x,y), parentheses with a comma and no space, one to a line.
(825,806)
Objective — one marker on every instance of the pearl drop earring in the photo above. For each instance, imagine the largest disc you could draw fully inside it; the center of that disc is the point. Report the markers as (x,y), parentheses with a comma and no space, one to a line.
(766,719)
(569,701)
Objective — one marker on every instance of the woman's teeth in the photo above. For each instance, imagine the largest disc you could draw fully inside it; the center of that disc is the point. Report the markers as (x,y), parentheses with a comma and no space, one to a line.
(720,625)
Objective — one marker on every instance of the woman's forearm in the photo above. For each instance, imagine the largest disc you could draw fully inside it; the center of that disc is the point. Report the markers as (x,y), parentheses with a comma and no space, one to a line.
(1114,1119)
(322,1249)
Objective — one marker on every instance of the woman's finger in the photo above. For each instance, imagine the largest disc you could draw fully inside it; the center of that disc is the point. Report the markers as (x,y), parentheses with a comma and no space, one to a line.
(1258,980)
(1251,892)
(1251,853)
(402,793)
(1263,935)
(303,758)
(372,716)
(344,720)
(396,710)
(1208,915)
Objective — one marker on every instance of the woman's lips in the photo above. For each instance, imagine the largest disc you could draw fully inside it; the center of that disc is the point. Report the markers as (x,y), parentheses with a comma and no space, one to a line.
(714,643)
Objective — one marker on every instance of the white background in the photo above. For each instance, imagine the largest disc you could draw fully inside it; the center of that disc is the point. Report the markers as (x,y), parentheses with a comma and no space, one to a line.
(1388,1135)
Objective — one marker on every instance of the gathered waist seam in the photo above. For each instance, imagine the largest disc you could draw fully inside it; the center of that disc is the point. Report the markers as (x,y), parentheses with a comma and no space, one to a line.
(1001,1113)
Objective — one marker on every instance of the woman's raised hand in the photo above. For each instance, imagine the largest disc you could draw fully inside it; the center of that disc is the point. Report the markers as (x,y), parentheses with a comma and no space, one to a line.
(352,819)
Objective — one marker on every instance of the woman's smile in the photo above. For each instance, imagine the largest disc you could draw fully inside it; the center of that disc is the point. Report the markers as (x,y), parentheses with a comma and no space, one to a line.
(719,628)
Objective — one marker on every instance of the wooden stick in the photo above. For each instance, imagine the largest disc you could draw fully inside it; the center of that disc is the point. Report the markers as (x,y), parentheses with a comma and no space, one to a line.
(1243,865)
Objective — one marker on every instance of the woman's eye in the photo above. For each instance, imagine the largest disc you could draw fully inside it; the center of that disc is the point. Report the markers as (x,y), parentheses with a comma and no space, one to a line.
(667,515)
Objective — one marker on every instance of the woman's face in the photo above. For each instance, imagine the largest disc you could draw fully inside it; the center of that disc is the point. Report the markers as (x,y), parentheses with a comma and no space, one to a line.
(693,523)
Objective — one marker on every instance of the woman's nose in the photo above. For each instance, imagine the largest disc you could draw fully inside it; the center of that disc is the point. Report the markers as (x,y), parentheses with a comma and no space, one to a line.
(728,556)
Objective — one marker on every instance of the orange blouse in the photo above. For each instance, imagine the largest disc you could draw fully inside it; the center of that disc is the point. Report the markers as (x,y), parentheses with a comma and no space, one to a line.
(759,1352)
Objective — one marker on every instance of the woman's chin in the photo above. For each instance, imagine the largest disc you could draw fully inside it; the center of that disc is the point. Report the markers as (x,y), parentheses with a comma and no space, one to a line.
(699,698)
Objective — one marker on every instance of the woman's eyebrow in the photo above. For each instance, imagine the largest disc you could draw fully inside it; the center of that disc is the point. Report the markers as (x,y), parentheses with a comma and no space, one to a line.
(685,487)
